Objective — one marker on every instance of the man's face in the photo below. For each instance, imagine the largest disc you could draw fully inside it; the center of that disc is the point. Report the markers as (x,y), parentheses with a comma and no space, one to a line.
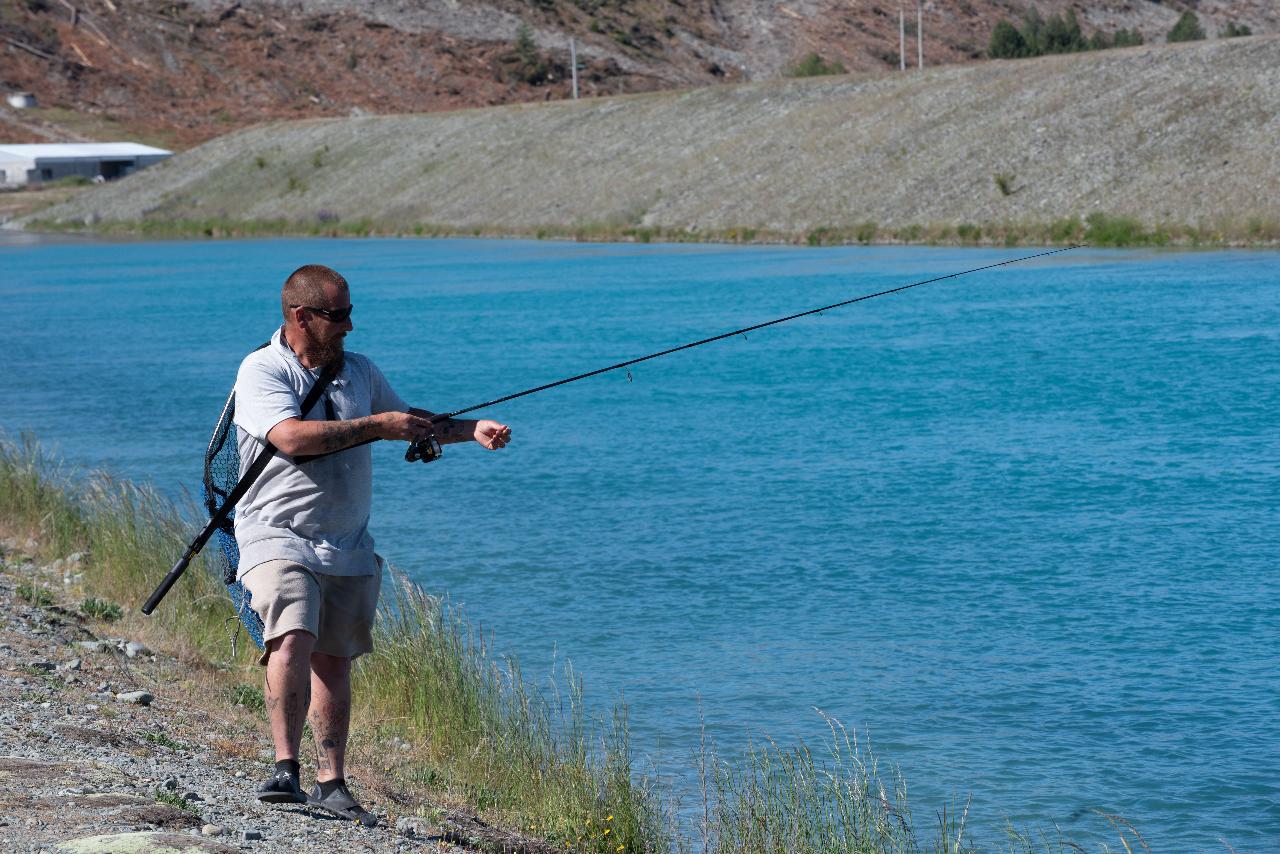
(324,337)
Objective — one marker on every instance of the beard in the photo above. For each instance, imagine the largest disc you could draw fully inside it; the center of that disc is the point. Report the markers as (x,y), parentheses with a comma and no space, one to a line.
(323,353)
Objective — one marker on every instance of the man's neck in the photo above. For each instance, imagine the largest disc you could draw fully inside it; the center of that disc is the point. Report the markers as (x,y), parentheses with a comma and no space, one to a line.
(296,342)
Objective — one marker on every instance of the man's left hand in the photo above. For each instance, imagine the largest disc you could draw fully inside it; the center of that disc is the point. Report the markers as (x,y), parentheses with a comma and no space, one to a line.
(492,435)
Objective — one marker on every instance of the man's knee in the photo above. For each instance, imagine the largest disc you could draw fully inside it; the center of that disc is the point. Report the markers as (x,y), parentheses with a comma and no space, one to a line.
(325,665)
(294,644)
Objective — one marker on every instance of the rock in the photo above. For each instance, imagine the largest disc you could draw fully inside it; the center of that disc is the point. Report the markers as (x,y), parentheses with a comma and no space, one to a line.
(192,796)
(171,784)
(251,835)
(142,843)
(410,826)
(211,830)
(42,664)
(73,664)
(140,698)
(94,645)
(133,649)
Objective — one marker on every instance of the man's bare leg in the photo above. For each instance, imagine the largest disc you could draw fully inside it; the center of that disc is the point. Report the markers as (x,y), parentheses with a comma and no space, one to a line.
(288,691)
(330,714)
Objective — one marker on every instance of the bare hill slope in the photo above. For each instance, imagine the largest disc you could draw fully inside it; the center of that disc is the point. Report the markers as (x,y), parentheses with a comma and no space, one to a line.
(1177,135)
(190,70)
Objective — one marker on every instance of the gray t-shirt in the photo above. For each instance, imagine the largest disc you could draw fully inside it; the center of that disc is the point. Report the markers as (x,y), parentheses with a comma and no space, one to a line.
(316,514)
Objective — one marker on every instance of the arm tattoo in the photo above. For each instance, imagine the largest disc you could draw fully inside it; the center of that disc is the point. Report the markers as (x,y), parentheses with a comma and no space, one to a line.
(337,435)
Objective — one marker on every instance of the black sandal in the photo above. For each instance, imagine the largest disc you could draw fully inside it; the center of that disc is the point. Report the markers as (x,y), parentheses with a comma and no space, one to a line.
(343,804)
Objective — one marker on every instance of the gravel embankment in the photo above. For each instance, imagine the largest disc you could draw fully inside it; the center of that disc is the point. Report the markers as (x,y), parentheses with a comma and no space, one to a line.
(1169,134)
(107,747)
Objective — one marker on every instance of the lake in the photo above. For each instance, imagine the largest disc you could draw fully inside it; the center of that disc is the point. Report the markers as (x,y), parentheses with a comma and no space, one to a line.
(1019,527)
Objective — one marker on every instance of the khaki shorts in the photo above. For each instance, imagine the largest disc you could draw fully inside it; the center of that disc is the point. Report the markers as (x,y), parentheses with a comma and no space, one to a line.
(337,610)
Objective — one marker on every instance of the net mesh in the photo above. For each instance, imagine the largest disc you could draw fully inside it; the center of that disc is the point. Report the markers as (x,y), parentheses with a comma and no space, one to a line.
(221,472)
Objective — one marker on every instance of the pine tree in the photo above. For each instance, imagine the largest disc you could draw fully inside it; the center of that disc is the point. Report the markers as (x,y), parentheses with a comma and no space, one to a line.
(1006,42)
(1187,29)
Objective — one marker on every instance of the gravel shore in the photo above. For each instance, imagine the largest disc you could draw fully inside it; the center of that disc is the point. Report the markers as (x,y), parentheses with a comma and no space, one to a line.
(109,746)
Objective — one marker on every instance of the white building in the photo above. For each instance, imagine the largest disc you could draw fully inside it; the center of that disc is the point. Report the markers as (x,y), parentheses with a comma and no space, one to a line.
(36,164)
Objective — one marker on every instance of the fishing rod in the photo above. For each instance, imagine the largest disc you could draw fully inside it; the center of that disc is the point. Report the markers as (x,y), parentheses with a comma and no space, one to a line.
(428,448)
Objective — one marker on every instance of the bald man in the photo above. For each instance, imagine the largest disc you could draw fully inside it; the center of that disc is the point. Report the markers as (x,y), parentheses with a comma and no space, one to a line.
(306,556)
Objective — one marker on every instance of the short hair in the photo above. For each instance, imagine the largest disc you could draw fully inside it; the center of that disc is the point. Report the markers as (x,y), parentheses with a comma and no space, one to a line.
(305,286)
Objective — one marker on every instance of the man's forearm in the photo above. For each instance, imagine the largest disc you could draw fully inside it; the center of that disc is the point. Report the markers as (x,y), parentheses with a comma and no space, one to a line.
(301,438)
(451,430)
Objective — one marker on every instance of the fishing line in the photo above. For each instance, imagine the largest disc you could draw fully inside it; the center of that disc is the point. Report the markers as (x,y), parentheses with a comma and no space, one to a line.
(743,332)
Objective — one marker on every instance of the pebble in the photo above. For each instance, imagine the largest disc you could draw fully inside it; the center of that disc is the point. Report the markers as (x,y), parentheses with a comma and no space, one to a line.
(211,830)
(141,698)
(133,649)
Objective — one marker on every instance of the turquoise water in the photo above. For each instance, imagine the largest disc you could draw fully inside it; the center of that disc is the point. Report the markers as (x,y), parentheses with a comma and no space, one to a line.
(1020,527)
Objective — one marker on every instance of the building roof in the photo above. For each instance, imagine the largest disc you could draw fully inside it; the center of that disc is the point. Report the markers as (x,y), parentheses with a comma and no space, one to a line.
(79,150)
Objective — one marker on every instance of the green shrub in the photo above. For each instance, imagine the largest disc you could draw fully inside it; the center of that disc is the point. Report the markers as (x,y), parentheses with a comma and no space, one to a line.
(1058,34)
(1105,230)
(69,181)
(101,609)
(813,65)
(248,696)
(1233,30)
(1127,38)
(1006,42)
(34,594)
(1187,29)
(175,800)
(1004,182)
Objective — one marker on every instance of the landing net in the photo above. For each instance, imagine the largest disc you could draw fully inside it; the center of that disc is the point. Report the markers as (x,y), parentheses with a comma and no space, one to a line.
(221,471)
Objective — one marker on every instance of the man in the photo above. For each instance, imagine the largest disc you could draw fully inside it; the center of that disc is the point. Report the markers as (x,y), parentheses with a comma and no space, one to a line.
(306,556)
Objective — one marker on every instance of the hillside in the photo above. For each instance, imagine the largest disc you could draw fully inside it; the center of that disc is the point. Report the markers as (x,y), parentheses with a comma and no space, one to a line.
(1177,137)
(180,72)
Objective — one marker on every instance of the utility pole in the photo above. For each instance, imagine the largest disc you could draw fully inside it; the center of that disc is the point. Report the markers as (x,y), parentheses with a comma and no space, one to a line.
(920,33)
(573,64)
(902,39)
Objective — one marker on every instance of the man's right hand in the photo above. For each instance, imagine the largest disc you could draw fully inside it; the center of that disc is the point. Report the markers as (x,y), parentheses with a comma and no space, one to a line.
(402,425)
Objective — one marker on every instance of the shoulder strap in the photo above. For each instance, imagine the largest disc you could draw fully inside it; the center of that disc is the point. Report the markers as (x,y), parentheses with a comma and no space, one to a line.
(326,376)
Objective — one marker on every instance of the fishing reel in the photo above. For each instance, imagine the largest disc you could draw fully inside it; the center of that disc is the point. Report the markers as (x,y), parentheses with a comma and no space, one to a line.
(427,449)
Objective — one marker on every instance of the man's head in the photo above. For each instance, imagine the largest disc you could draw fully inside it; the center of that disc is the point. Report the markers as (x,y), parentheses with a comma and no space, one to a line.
(317,313)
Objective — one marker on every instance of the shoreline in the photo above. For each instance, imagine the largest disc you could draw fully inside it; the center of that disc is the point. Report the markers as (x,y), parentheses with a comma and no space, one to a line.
(1098,231)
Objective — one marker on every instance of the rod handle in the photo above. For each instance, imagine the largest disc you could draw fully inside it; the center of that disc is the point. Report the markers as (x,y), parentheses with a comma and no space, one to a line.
(169,580)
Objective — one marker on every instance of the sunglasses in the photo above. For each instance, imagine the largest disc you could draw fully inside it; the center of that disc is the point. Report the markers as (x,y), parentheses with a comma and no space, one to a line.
(338,315)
